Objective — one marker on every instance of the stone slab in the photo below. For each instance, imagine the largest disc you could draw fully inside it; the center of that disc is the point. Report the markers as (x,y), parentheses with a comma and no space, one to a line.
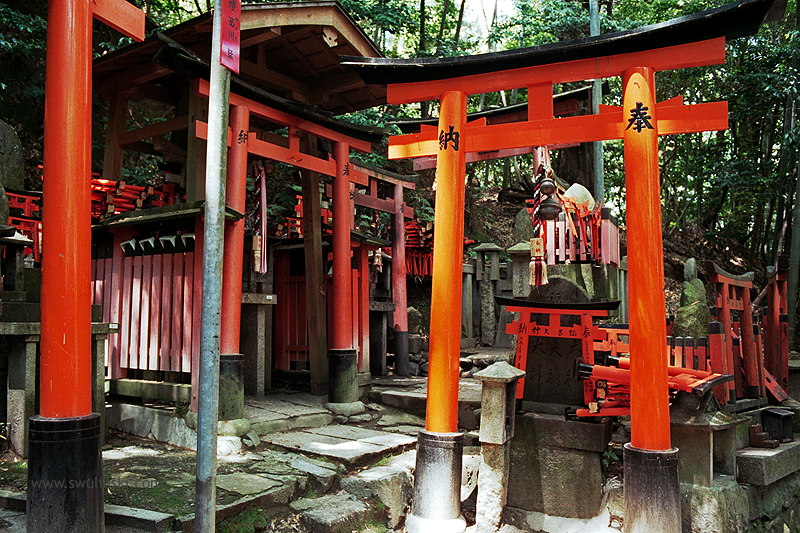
(334,513)
(761,466)
(392,440)
(352,452)
(346,432)
(381,438)
(245,484)
(390,483)
(291,409)
(258,414)
(555,466)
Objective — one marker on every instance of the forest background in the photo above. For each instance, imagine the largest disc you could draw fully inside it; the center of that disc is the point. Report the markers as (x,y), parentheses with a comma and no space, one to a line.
(736,191)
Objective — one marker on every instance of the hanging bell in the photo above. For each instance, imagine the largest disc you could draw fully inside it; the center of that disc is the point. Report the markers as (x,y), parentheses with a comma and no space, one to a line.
(547,186)
(549,208)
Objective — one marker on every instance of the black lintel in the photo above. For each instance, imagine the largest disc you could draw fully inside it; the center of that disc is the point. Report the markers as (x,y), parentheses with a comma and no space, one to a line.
(737,19)
(584,306)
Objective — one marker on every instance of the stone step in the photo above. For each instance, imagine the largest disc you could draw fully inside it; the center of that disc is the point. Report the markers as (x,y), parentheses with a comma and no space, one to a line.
(350,445)
(390,483)
(413,401)
(761,466)
(334,513)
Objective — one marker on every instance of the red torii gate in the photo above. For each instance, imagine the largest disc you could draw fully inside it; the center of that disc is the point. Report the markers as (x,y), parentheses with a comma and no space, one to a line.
(65,489)
(652,499)
(287,150)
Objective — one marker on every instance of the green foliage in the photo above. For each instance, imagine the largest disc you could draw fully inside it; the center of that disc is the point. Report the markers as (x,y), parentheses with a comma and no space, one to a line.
(22,57)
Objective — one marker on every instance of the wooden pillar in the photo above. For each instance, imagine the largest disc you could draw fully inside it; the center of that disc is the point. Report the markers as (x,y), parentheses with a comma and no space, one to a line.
(342,277)
(117,121)
(399,290)
(233,254)
(652,490)
(448,251)
(649,390)
(754,372)
(315,283)
(65,369)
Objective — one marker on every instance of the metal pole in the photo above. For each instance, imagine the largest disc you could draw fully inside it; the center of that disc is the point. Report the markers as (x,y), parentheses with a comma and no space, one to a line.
(597,97)
(208,396)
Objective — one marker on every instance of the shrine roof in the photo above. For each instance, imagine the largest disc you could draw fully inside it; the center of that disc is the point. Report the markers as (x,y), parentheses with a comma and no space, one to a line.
(291,49)
(184,63)
(733,20)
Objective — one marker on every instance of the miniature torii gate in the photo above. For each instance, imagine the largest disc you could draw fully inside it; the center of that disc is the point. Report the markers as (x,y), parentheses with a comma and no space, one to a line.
(652,499)
(65,488)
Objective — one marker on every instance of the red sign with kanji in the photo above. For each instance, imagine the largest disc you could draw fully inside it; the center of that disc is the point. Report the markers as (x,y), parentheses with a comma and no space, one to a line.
(229,39)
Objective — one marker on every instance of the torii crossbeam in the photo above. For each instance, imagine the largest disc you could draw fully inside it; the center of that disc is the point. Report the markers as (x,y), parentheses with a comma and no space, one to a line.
(652,499)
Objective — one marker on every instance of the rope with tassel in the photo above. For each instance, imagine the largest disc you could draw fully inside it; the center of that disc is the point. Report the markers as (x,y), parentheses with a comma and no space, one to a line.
(537,266)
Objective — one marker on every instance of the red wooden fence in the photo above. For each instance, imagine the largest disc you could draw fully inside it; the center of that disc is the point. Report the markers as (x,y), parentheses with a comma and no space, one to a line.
(155,299)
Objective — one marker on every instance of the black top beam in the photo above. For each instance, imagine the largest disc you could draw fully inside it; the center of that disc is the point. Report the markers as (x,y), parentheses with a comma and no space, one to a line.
(737,19)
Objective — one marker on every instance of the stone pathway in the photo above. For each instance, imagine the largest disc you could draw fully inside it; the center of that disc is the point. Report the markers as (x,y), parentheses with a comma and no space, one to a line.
(353,446)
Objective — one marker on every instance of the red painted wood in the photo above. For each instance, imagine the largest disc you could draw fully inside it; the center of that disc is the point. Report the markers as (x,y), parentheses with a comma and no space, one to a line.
(235,193)
(144,313)
(521,352)
(191,304)
(696,54)
(115,302)
(136,305)
(361,277)
(125,316)
(178,314)
(154,327)
(165,322)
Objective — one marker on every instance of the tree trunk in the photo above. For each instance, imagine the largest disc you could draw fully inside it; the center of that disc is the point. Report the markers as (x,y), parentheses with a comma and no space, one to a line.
(442,23)
(458,24)
(422,27)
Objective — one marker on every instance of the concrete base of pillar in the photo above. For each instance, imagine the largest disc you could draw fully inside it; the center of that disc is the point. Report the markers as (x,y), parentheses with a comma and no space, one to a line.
(65,475)
(343,374)
(437,484)
(652,491)
(415,524)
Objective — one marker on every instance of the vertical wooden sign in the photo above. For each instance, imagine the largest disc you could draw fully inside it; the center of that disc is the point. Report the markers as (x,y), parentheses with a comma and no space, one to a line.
(230,30)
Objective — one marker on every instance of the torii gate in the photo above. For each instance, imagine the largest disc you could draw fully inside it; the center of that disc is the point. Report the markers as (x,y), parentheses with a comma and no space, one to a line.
(652,498)
(346,174)
(65,482)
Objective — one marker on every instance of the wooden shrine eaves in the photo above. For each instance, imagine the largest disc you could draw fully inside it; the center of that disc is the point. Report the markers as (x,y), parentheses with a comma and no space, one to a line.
(291,49)
(162,214)
(733,20)
(182,60)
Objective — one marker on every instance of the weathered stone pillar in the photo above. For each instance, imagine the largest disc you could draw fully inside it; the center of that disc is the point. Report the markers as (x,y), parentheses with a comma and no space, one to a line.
(486,284)
(520,269)
(497,428)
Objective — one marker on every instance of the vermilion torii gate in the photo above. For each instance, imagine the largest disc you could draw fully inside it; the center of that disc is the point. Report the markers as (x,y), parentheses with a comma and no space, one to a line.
(65,481)
(652,499)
